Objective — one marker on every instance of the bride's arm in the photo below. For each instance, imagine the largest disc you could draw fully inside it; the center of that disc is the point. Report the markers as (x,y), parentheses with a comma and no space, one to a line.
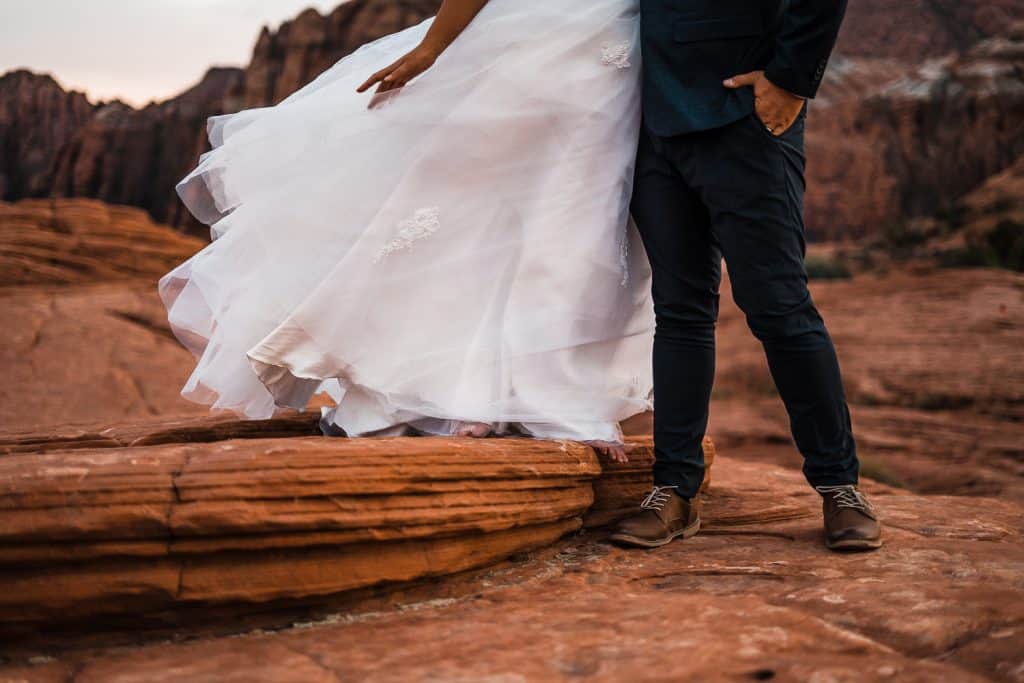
(452,19)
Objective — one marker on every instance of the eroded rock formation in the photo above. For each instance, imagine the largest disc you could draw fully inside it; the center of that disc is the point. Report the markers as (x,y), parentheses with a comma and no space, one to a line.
(83,335)
(934,370)
(886,149)
(754,597)
(58,144)
(86,354)
(81,241)
(38,118)
(916,30)
(914,114)
(287,59)
(113,529)
(133,156)
(985,228)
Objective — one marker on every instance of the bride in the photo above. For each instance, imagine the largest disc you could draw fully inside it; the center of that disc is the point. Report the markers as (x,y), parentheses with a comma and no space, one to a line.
(445,247)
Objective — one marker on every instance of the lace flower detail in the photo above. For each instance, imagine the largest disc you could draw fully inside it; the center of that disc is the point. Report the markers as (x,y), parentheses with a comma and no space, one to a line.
(423,224)
(616,55)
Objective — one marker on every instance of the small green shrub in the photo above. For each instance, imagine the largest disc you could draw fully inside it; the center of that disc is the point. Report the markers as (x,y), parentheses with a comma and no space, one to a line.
(872,468)
(1003,247)
(821,268)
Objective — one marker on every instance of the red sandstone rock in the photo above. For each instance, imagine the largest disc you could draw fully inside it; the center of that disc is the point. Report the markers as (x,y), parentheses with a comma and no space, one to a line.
(890,142)
(136,529)
(754,597)
(985,228)
(82,337)
(270,519)
(290,57)
(80,241)
(888,139)
(88,354)
(37,119)
(136,156)
(204,429)
(933,366)
(915,30)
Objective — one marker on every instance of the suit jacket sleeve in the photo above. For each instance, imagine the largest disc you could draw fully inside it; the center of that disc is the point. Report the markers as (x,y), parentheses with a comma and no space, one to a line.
(805,41)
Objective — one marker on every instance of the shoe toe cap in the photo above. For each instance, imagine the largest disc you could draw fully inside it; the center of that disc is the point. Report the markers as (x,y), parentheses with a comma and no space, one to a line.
(853,534)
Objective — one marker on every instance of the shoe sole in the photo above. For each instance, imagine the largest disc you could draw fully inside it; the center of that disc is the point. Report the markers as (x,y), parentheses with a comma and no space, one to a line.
(629,539)
(855,545)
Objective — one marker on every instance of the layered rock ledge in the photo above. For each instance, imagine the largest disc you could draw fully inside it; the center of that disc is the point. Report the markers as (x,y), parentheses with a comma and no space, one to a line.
(136,520)
(82,241)
(754,597)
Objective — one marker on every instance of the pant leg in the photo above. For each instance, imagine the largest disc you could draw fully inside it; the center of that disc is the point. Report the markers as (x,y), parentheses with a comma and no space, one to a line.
(753,185)
(686,267)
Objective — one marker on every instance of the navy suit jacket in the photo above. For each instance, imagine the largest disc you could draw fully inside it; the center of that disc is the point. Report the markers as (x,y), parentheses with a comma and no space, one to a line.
(691,46)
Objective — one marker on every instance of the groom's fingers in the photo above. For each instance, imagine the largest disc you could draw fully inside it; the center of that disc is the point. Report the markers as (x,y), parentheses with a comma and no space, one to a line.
(742,81)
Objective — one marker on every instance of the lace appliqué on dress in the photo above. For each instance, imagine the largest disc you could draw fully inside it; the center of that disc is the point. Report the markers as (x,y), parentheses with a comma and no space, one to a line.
(616,55)
(424,223)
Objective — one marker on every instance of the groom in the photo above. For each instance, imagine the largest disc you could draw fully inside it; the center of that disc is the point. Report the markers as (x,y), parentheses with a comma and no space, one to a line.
(720,173)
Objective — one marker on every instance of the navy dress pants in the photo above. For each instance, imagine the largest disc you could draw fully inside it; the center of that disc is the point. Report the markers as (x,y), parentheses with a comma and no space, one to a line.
(735,192)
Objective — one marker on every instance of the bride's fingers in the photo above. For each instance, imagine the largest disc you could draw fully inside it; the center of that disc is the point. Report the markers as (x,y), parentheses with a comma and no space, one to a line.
(375,78)
(379,76)
(397,78)
(390,84)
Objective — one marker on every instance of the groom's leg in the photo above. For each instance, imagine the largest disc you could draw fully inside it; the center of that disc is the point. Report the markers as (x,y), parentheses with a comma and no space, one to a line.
(753,185)
(686,268)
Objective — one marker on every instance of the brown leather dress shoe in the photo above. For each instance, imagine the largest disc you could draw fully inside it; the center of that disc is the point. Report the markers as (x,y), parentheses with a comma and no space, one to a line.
(663,517)
(850,521)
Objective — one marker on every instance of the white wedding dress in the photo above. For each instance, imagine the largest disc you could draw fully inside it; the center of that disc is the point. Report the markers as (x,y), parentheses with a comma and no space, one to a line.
(458,253)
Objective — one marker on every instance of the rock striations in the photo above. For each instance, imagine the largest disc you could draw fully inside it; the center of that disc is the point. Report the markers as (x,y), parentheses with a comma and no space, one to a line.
(91,526)
(133,156)
(83,335)
(753,597)
(81,241)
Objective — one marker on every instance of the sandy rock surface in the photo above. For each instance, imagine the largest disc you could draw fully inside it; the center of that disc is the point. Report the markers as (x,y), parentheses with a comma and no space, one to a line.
(98,353)
(83,241)
(934,367)
(754,597)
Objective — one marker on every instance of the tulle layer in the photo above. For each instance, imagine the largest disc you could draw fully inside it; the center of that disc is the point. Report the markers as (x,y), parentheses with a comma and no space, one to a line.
(459,251)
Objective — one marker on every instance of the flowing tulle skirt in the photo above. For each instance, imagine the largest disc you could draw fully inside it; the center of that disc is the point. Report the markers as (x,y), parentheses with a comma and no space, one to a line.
(458,252)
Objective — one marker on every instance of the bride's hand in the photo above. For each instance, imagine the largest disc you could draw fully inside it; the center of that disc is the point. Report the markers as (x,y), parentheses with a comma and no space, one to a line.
(402,71)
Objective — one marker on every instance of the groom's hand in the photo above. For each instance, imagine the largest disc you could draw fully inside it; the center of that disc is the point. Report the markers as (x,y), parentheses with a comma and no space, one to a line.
(777,108)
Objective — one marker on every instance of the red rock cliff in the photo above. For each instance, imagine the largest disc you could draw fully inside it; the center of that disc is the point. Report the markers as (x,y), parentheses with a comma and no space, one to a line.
(894,135)
(37,119)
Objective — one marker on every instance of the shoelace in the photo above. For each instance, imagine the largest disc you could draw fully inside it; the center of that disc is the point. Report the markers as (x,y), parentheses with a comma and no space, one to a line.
(657,498)
(846,497)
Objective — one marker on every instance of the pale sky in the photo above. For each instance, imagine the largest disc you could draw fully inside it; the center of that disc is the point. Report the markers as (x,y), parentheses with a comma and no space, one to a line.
(137,50)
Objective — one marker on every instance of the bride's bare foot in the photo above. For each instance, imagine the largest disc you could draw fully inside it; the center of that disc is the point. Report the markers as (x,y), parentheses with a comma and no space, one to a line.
(616,451)
(474,430)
